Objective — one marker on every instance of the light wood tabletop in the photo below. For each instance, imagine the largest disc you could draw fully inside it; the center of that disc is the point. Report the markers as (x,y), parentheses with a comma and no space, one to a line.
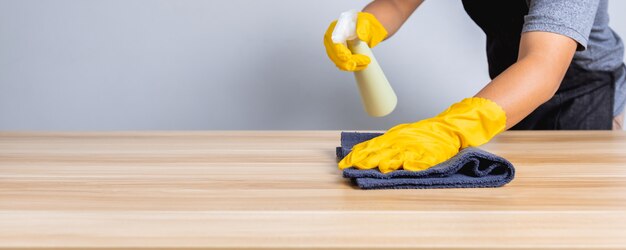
(282,189)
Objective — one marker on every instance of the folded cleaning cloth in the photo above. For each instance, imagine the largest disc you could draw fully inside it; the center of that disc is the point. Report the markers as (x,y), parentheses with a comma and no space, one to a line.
(470,168)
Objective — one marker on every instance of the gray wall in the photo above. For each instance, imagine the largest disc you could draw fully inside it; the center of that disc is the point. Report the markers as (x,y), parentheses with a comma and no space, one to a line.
(185,64)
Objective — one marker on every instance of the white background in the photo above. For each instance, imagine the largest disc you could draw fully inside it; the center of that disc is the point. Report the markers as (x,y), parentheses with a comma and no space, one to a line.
(150,64)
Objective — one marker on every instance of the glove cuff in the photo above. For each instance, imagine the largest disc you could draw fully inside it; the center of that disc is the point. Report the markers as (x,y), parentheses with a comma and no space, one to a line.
(369,29)
(474,120)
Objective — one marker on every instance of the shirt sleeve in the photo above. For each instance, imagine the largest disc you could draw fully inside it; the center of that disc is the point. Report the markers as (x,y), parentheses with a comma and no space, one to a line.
(571,18)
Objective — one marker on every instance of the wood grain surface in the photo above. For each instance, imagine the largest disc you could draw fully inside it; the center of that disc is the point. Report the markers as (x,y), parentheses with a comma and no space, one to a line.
(282,190)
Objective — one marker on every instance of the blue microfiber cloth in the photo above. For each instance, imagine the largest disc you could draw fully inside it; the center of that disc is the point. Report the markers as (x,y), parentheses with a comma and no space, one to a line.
(470,168)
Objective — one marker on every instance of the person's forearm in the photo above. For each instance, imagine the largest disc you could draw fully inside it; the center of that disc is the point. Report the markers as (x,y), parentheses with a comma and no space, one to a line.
(392,13)
(520,89)
(534,78)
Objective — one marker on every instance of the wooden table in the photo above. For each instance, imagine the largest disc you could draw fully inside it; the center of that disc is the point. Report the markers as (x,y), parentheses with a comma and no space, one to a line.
(282,189)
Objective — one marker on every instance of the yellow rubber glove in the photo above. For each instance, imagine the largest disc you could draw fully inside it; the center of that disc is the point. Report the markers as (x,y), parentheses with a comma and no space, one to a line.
(421,145)
(368,29)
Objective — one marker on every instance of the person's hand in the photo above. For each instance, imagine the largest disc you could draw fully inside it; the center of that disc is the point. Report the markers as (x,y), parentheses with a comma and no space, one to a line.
(421,145)
(368,29)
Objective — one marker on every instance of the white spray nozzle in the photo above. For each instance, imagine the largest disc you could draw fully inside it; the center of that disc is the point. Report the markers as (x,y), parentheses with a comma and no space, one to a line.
(345,29)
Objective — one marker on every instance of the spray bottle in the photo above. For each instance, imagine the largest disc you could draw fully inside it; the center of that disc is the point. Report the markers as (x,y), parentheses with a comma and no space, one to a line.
(378,97)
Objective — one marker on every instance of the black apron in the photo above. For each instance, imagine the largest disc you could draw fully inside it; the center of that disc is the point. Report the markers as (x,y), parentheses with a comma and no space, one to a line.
(584,100)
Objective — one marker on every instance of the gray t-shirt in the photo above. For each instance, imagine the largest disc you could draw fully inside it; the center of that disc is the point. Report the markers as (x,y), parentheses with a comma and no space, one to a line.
(587,22)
